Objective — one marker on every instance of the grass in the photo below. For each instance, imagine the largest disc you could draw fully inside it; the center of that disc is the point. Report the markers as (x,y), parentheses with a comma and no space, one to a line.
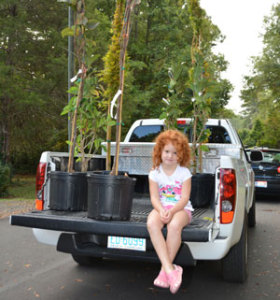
(21,188)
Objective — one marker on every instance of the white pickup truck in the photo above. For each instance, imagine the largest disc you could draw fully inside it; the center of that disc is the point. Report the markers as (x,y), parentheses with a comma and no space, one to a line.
(218,230)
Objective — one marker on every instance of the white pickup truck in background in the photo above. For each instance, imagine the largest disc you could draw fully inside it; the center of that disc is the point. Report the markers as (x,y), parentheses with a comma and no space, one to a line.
(219,227)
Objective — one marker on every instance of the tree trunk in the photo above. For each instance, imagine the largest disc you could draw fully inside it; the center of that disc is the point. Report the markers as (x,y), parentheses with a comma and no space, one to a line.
(74,123)
(6,100)
(124,42)
(149,24)
(5,130)
(108,138)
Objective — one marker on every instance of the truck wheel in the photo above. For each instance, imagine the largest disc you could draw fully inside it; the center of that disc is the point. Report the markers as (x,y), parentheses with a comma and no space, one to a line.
(85,260)
(252,213)
(235,264)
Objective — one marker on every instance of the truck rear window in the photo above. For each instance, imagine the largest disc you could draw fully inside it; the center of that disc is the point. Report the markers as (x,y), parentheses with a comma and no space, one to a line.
(219,135)
(148,133)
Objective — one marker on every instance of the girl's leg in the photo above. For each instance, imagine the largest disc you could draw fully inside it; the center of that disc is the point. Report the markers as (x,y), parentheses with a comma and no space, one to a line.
(174,231)
(155,225)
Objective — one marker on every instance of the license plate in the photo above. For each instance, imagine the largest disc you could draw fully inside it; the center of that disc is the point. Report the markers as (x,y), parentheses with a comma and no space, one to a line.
(262,184)
(129,243)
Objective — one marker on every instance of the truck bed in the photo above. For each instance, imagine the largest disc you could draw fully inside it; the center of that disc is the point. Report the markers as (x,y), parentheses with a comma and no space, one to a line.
(69,221)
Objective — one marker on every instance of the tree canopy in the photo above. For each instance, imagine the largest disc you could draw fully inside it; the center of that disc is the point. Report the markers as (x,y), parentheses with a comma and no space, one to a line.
(33,68)
(33,79)
(261,92)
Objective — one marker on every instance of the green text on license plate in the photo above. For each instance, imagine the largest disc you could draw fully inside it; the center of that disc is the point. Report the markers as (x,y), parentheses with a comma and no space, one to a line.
(129,243)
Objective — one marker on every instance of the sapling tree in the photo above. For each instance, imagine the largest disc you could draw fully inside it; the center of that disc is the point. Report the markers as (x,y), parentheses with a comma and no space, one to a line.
(88,118)
(200,81)
(92,119)
(111,73)
(79,48)
(124,38)
(171,110)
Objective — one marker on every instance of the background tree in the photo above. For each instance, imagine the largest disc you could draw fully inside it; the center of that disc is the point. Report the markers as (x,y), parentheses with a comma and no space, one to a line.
(255,136)
(261,92)
(32,80)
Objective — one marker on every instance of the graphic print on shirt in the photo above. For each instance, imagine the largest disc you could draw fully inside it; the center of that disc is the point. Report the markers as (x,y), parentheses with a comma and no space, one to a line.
(170,193)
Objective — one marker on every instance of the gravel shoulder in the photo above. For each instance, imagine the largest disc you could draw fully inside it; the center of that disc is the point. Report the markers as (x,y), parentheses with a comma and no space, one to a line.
(11,207)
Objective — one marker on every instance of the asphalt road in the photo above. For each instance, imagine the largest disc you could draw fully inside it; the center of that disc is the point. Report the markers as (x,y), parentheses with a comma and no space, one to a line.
(30,270)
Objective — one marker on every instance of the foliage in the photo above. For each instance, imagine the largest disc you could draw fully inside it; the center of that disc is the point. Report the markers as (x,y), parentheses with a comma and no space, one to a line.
(21,187)
(33,68)
(255,136)
(5,178)
(200,81)
(92,120)
(171,110)
(154,49)
(86,112)
(110,75)
(188,69)
(32,79)
(79,33)
(261,92)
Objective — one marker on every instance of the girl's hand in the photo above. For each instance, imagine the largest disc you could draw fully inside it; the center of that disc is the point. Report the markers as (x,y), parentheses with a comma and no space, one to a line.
(165,215)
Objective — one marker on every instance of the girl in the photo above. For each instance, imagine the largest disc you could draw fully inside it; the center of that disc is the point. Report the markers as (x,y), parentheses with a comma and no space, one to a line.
(170,186)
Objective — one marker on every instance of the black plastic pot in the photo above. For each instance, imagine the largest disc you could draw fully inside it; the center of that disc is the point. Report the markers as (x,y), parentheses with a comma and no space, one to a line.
(68,191)
(109,197)
(202,191)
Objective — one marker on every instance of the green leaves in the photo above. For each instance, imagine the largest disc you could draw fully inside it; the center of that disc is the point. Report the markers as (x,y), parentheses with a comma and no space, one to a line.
(67,31)
(33,76)
(204,148)
(261,92)
(201,78)
(171,110)
(33,73)
(92,119)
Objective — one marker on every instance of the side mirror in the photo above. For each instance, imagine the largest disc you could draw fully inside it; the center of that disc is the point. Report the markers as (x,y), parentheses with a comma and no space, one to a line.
(256,155)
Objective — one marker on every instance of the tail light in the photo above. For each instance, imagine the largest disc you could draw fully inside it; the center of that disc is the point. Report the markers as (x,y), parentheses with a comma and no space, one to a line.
(278,169)
(40,180)
(227,195)
(181,122)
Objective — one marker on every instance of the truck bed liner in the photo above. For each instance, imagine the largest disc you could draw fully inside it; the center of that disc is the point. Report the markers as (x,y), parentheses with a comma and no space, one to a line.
(67,221)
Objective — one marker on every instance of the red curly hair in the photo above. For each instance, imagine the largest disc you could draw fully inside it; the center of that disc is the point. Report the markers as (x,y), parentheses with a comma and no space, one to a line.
(178,140)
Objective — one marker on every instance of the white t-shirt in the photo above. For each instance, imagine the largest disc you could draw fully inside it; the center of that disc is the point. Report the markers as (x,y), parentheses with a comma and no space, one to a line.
(170,187)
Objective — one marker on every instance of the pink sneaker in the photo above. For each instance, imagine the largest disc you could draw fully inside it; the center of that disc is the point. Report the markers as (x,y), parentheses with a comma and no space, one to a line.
(175,279)
(161,280)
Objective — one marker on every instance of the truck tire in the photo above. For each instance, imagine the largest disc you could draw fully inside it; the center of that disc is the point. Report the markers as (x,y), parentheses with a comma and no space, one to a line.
(252,213)
(235,264)
(86,260)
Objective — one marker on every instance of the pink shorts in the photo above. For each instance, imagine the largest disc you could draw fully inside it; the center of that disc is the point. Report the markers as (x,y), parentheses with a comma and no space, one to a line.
(185,209)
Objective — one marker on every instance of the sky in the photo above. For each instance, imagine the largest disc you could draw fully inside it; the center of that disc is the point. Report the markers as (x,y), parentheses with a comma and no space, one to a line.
(241,21)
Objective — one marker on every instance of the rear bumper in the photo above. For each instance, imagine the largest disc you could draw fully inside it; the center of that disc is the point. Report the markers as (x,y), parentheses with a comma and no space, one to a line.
(78,244)
(273,186)
(272,189)
(215,250)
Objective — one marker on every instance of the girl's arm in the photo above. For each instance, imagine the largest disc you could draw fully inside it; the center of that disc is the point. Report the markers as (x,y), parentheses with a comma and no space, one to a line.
(185,195)
(154,195)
